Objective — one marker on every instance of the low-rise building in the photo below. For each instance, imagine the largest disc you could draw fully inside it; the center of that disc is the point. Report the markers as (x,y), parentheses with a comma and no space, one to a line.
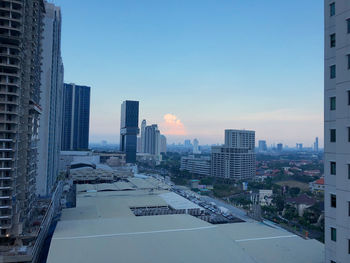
(317,186)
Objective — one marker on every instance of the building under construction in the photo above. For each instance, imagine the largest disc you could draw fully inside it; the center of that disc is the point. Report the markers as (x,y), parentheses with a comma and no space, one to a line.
(21,25)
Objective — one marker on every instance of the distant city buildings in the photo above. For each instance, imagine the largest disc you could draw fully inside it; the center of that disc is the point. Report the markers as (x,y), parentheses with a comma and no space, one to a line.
(279,147)
(262,146)
(316,145)
(236,159)
(76,117)
(196,165)
(299,146)
(129,129)
(337,130)
(196,147)
(187,143)
(50,129)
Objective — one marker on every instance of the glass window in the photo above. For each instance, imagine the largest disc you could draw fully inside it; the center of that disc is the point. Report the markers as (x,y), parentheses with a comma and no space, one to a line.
(348,97)
(332,40)
(332,71)
(333,135)
(348,56)
(333,200)
(348,25)
(333,234)
(332,9)
(348,208)
(332,103)
(333,168)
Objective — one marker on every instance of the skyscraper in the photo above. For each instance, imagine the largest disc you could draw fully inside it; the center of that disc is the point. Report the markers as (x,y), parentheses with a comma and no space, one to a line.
(196,147)
(316,145)
(152,139)
(336,130)
(129,129)
(163,144)
(20,69)
(279,147)
(50,101)
(236,159)
(143,127)
(262,146)
(76,117)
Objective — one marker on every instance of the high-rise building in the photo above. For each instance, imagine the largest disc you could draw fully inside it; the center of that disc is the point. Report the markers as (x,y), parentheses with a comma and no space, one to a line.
(20,69)
(316,145)
(50,102)
(129,129)
(196,165)
(337,130)
(139,145)
(187,143)
(152,139)
(262,146)
(236,159)
(76,117)
(163,144)
(279,147)
(143,127)
(196,147)
(299,146)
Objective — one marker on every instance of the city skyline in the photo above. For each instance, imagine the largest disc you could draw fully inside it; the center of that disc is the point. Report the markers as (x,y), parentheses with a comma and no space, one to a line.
(166,56)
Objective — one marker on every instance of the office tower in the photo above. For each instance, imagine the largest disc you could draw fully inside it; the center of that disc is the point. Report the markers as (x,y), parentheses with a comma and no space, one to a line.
(299,146)
(316,145)
(279,147)
(187,143)
(337,131)
(262,146)
(152,139)
(163,145)
(143,127)
(50,102)
(236,159)
(76,117)
(20,54)
(196,147)
(129,129)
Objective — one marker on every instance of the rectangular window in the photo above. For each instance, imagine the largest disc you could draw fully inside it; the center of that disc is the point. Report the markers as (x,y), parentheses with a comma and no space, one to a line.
(332,103)
(348,134)
(348,97)
(332,40)
(348,61)
(333,168)
(332,9)
(333,234)
(333,135)
(348,246)
(333,261)
(348,25)
(332,71)
(333,200)
(348,208)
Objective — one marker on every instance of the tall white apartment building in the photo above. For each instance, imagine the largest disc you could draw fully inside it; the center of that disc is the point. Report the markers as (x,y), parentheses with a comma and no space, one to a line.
(337,130)
(196,165)
(50,102)
(236,159)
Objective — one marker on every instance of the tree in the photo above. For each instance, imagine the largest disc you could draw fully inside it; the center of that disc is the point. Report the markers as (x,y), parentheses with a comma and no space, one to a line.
(294,191)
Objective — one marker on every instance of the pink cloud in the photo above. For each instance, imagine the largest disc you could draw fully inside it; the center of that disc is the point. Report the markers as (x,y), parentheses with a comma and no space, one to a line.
(172,125)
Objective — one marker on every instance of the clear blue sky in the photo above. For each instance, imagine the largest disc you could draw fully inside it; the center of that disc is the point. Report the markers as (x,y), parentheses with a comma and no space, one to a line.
(214,64)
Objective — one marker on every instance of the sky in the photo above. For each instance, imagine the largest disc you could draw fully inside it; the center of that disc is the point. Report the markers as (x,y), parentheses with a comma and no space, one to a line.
(199,67)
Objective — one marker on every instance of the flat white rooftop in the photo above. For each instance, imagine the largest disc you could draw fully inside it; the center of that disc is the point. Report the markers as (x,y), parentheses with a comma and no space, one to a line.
(102,228)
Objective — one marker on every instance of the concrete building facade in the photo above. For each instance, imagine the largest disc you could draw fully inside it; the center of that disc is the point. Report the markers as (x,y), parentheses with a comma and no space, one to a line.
(129,129)
(337,130)
(50,101)
(236,159)
(76,117)
(196,165)
(21,25)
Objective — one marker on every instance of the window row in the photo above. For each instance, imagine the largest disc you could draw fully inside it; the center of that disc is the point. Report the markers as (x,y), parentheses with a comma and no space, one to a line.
(333,101)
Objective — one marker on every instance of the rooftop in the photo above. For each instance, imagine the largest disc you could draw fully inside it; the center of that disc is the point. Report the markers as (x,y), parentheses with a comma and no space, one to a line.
(103,228)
